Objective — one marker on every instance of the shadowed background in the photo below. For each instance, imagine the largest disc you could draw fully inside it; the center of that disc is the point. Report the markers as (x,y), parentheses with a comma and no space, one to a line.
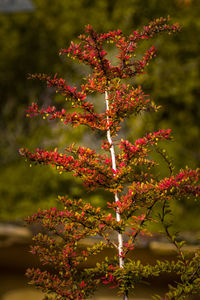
(30,41)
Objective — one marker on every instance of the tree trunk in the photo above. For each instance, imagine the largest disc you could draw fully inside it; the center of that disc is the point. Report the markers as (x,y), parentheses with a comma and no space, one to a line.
(118,216)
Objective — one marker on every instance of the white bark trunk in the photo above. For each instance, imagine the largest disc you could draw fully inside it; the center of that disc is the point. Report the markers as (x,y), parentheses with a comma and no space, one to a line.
(118,217)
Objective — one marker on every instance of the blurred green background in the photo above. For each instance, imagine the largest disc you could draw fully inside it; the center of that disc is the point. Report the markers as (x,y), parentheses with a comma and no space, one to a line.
(30,42)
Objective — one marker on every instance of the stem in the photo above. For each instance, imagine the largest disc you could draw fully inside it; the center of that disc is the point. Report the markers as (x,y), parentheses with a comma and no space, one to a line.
(118,217)
(171,238)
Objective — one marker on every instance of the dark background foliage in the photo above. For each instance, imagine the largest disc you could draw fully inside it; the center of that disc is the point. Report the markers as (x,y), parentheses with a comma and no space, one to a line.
(30,43)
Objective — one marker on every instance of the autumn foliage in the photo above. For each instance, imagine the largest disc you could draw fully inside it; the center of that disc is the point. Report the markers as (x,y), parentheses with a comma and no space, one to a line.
(124,169)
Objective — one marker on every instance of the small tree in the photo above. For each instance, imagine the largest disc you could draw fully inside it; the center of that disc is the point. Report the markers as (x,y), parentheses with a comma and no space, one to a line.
(124,169)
